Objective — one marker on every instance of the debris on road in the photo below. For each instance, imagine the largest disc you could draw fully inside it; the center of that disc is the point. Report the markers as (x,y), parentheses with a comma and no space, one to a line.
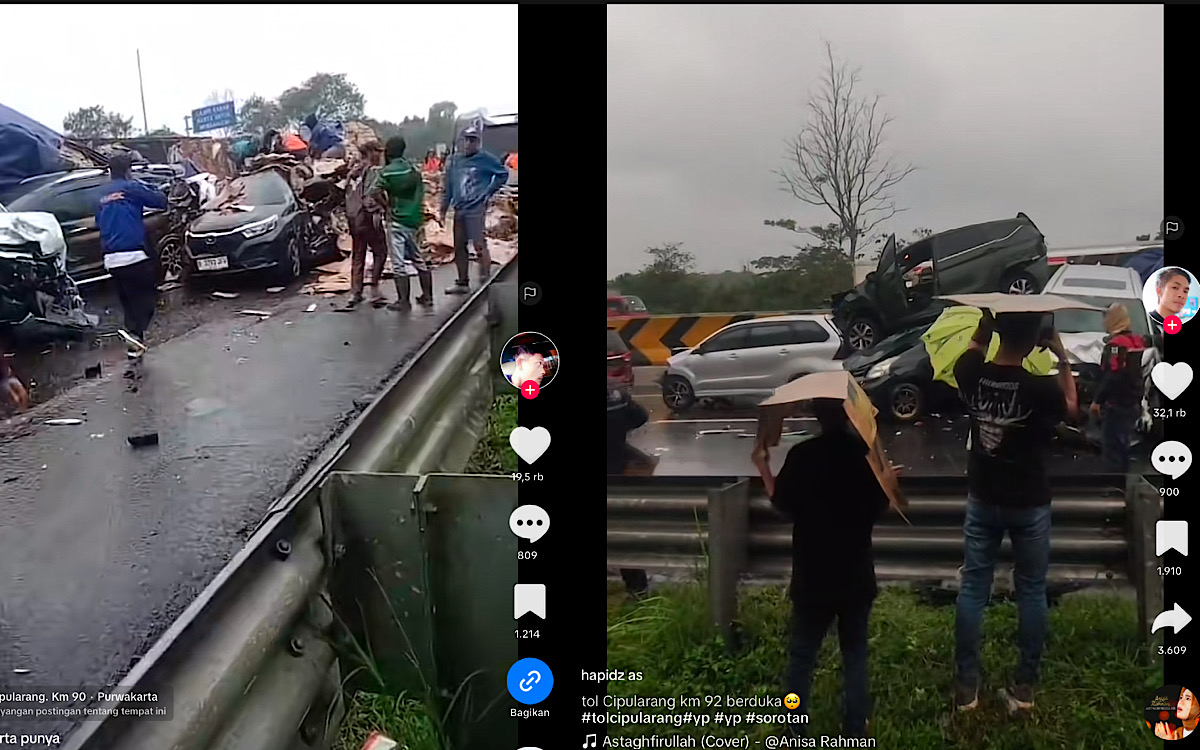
(170,286)
(92,372)
(311,308)
(259,313)
(143,441)
(275,289)
(225,295)
(63,422)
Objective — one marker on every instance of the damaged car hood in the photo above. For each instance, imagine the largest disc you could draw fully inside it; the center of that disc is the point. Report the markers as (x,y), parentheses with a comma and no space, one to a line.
(25,232)
(231,220)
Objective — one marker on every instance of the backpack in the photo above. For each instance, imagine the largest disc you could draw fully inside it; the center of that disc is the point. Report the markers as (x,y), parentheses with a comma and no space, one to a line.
(1123,358)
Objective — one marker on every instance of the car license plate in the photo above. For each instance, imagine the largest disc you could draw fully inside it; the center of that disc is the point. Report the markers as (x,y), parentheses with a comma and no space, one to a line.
(212,264)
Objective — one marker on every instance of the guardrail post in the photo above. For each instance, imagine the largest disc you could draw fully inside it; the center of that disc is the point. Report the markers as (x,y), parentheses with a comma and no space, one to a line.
(502,323)
(1141,503)
(728,540)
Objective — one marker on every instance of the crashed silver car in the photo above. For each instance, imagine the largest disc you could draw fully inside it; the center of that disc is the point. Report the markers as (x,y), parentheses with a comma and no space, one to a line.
(34,285)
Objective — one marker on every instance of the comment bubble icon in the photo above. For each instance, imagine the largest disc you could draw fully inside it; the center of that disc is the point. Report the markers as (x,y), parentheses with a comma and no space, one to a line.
(1171,458)
(529,522)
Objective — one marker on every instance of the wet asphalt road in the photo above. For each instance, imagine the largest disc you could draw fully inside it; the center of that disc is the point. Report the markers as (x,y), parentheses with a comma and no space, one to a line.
(48,366)
(103,545)
(718,442)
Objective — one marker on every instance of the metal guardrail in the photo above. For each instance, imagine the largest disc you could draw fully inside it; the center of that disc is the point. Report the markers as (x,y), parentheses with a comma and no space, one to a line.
(1103,529)
(249,665)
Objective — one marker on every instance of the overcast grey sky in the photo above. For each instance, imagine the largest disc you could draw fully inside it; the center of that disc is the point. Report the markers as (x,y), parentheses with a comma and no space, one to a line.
(402,57)
(1056,111)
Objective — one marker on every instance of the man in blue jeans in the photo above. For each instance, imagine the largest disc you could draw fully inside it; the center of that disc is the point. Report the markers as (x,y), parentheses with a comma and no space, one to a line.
(1013,417)
(827,488)
(473,176)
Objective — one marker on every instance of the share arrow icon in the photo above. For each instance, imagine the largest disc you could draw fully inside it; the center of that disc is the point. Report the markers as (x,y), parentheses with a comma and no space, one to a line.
(1172,618)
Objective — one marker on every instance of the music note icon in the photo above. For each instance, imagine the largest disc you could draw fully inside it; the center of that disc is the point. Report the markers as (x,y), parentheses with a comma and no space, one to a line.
(591,737)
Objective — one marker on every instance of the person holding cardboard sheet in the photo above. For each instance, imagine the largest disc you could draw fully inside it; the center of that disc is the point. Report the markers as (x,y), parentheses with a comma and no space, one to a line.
(828,489)
(1013,417)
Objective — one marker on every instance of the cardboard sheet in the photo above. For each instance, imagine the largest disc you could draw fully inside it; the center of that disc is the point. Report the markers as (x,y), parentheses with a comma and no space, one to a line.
(791,399)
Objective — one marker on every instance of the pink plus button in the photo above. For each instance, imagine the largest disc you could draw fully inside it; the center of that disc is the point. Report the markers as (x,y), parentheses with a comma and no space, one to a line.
(529,389)
(1172,324)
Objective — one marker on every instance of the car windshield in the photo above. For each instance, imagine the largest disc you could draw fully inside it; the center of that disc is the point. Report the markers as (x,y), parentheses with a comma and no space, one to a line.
(899,340)
(262,189)
(1092,321)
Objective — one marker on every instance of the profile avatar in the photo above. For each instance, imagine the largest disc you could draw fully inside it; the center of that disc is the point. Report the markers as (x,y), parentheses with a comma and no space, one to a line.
(1174,716)
(529,357)
(1171,290)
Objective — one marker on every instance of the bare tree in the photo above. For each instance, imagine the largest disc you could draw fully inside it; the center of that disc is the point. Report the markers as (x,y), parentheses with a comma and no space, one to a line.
(837,159)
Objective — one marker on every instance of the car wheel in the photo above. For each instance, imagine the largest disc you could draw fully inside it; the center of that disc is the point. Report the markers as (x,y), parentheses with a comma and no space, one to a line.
(862,333)
(289,266)
(906,402)
(678,394)
(171,261)
(1021,283)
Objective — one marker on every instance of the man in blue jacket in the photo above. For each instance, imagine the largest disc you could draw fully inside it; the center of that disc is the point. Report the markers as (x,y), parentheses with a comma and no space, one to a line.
(123,239)
(472,177)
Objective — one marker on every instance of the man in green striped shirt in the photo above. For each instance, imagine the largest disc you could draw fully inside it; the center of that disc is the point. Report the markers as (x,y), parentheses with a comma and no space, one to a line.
(401,187)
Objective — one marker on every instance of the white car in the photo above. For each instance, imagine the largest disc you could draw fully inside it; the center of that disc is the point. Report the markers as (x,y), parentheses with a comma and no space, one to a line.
(1096,281)
(751,359)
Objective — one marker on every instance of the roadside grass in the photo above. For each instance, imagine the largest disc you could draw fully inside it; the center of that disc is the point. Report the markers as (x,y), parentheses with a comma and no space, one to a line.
(1093,690)
(405,720)
(494,454)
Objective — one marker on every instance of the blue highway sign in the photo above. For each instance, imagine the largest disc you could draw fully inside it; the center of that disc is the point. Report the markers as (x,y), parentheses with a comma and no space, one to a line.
(214,117)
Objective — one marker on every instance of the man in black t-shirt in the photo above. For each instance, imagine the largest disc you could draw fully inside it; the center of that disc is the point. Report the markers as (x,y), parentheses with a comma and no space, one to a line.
(1013,417)
(827,488)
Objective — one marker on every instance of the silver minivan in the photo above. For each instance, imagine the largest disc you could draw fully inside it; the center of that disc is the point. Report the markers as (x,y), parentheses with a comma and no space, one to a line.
(751,359)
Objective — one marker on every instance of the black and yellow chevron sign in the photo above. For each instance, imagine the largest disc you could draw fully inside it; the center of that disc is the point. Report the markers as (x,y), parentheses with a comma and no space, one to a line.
(652,337)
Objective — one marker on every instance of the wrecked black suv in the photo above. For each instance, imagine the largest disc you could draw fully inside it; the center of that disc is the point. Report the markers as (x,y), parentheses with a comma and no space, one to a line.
(997,256)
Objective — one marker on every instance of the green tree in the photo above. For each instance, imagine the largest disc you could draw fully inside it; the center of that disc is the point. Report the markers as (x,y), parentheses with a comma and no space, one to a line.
(96,122)
(259,114)
(162,130)
(670,259)
(440,123)
(836,161)
(327,95)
